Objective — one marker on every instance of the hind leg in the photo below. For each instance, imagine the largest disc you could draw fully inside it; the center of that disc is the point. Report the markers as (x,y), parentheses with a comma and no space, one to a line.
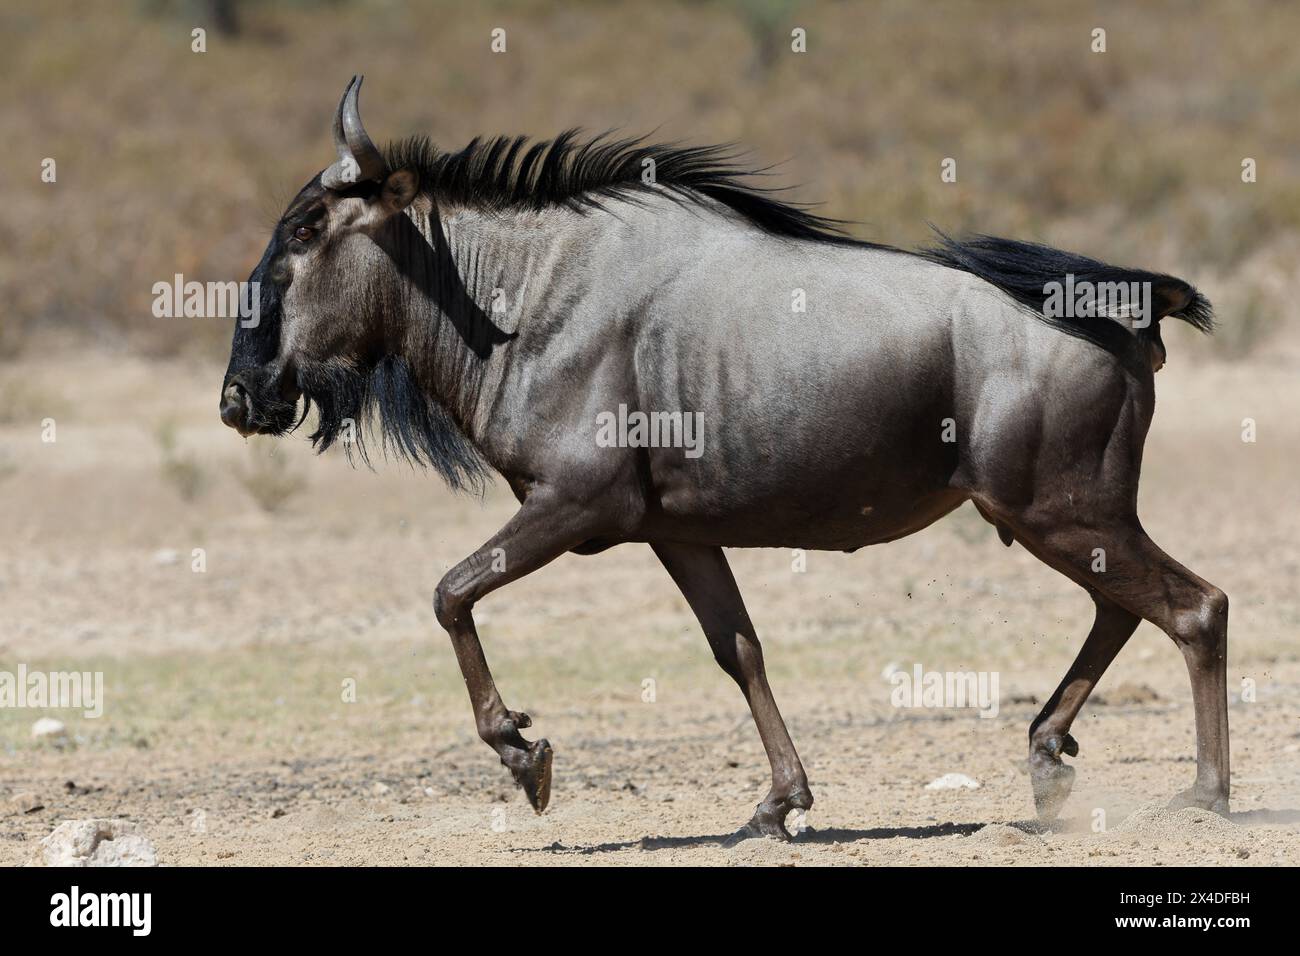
(1144,581)
(1049,734)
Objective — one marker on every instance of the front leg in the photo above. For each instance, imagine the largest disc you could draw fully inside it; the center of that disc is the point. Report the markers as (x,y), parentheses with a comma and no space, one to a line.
(705,580)
(542,530)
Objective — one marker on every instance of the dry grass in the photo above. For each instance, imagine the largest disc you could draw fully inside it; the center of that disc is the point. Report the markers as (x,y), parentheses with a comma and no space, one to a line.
(171,161)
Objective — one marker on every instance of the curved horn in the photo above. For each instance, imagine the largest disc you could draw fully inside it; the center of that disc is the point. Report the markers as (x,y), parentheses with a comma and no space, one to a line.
(359,159)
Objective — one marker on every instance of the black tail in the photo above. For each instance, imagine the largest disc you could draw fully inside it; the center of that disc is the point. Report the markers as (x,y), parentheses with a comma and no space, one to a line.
(1024,270)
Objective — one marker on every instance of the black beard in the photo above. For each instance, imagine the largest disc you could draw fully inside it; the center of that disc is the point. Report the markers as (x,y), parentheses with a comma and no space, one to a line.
(387,398)
(341,394)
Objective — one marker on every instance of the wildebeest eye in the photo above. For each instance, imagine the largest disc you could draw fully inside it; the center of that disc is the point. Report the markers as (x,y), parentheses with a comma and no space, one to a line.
(303,233)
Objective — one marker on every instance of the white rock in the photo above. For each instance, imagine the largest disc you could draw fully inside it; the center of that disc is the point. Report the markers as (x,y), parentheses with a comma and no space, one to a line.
(48,727)
(166,556)
(953,781)
(96,843)
(892,668)
(379,789)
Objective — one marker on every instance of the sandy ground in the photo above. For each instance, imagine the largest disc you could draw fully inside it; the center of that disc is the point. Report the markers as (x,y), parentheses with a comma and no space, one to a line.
(226,735)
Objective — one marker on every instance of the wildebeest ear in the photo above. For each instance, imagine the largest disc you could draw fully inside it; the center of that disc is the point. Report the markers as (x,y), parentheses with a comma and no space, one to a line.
(399,189)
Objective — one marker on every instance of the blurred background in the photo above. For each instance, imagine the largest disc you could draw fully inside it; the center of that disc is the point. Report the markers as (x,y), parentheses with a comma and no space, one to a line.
(175,161)
(227,588)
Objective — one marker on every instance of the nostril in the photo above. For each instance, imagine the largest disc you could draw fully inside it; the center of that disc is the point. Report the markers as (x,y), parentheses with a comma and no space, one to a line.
(234,405)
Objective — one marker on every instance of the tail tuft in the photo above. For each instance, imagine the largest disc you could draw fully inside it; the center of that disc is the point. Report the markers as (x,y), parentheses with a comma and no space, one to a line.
(1176,298)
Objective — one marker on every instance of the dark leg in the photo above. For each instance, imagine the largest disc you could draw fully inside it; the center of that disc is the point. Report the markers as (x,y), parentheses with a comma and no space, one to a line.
(537,534)
(1049,734)
(1143,580)
(707,584)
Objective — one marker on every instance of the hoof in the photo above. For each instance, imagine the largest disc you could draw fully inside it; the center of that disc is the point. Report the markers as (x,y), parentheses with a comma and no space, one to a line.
(1203,799)
(769,817)
(533,773)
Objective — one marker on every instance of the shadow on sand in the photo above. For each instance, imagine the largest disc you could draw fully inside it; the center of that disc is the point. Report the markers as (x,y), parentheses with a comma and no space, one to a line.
(808,836)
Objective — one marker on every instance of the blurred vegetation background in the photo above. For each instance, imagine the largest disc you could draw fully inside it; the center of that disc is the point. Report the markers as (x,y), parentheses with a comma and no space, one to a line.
(174,161)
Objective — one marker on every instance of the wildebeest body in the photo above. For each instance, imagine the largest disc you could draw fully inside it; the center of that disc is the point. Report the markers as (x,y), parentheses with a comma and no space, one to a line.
(487,309)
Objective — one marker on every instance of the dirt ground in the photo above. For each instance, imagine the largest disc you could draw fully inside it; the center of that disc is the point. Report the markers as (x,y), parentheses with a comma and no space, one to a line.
(226,734)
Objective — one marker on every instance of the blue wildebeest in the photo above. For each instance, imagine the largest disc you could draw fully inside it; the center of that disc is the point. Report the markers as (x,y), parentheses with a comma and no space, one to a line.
(651,278)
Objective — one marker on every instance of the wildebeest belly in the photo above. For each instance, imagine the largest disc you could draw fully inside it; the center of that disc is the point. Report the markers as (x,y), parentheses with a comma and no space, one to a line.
(827,525)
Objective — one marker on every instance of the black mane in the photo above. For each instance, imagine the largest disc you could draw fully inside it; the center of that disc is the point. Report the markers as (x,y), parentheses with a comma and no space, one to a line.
(511,172)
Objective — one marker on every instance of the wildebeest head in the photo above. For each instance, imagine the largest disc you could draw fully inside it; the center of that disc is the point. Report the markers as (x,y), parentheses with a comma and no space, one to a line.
(323,285)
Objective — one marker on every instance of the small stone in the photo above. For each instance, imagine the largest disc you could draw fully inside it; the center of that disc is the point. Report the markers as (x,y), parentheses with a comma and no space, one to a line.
(47,728)
(953,781)
(379,789)
(165,556)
